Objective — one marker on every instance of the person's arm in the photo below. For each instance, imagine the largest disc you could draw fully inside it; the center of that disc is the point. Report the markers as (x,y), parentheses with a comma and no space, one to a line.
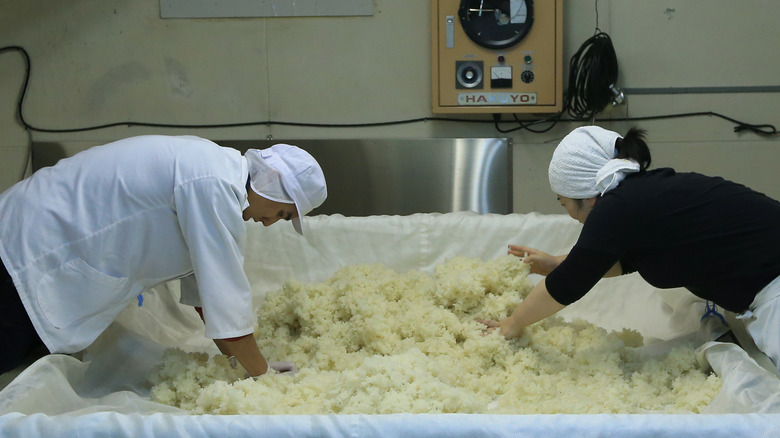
(543,263)
(209,214)
(244,349)
(539,304)
(246,352)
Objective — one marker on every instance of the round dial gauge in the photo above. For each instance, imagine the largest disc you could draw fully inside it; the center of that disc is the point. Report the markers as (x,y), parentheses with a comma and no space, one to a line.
(496,24)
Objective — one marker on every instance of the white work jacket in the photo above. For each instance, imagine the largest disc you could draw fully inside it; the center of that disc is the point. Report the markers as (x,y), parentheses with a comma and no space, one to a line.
(83,238)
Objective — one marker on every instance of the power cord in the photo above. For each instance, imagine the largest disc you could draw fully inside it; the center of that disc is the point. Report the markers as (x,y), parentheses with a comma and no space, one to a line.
(531,125)
(592,85)
(593,74)
(30,127)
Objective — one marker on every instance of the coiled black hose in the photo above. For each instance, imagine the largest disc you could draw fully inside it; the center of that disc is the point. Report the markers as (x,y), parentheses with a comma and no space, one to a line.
(592,70)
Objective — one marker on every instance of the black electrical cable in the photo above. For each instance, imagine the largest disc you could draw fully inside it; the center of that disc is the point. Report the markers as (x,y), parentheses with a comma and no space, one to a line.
(527,124)
(28,154)
(593,73)
(26,57)
(764,129)
(31,127)
(592,85)
(592,70)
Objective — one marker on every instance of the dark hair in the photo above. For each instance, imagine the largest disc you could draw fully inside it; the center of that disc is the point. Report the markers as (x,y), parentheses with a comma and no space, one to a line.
(632,146)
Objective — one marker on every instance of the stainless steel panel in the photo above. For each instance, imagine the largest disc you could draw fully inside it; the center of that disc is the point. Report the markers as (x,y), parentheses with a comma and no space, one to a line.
(405,176)
(389,177)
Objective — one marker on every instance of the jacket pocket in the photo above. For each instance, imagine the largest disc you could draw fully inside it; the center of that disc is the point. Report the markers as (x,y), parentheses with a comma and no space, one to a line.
(75,291)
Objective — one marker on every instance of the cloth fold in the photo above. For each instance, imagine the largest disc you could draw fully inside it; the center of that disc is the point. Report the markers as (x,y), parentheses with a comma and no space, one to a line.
(613,172)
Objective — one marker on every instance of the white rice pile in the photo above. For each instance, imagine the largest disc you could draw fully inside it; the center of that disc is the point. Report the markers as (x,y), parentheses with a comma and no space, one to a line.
(372,341)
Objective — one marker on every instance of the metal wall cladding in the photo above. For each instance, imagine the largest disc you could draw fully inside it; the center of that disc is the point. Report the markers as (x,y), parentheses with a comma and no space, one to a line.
(406,176)
(388,176)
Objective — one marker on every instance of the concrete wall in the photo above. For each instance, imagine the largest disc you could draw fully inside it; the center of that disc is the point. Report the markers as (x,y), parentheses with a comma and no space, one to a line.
(104,61)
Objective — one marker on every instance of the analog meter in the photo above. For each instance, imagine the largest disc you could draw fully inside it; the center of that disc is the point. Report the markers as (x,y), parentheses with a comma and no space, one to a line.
(497,56)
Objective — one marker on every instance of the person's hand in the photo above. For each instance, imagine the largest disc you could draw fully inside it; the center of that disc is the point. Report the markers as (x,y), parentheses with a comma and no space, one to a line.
(541,262)
(504,327)
(288,368)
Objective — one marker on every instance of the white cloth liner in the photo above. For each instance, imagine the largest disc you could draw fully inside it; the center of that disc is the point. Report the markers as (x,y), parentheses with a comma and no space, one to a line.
(107,392)
(764,313)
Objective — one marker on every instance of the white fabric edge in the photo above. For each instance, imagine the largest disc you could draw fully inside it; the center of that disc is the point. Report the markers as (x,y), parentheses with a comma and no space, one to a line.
(406,425)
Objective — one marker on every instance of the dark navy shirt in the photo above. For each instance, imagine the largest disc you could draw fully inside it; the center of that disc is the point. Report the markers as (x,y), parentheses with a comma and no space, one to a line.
(717,238)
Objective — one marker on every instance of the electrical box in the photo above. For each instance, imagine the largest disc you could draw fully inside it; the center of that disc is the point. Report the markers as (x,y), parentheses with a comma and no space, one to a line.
(497,56)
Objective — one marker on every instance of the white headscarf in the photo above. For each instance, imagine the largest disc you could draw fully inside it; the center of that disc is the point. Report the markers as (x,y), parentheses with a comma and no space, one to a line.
(584,164)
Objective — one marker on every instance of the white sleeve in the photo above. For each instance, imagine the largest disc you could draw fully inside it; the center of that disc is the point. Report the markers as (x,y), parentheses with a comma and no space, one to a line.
(209,212)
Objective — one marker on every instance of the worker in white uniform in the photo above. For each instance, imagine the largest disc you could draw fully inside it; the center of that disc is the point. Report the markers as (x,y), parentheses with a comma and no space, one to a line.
(80,240)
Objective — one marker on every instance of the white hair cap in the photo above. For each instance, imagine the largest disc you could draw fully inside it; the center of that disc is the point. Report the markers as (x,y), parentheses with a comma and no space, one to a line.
(287,174)
(264,179)
(584,164)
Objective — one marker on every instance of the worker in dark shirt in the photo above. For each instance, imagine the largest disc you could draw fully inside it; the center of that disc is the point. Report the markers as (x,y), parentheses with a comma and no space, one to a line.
(717,238)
